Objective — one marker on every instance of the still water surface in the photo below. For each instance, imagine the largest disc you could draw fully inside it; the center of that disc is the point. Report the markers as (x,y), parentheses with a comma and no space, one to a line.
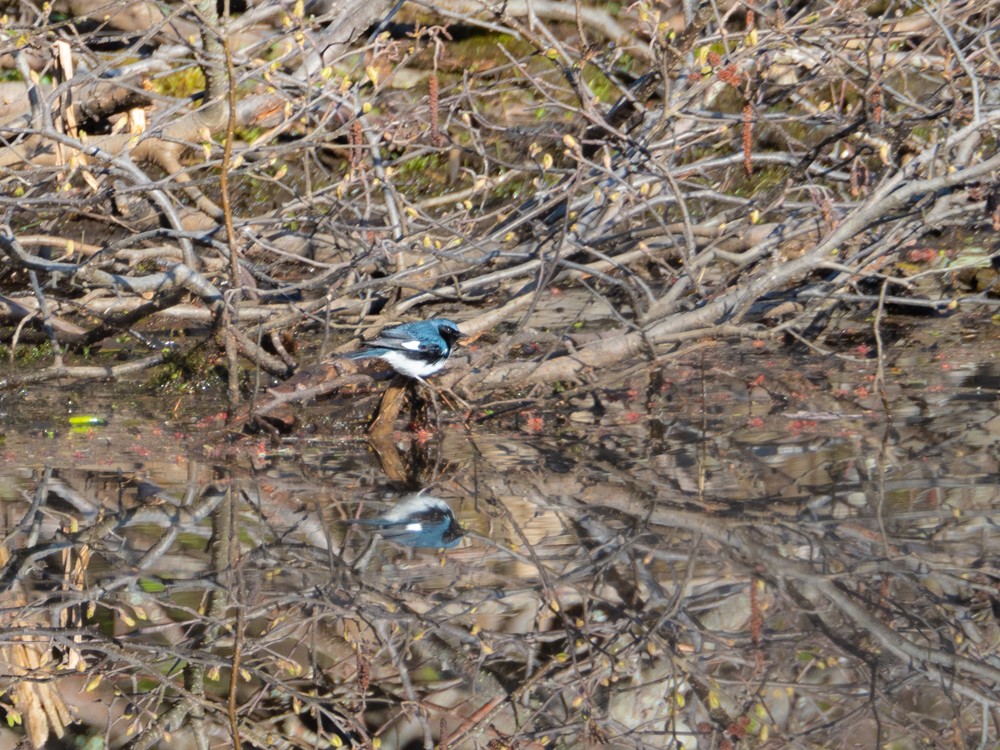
(761,552)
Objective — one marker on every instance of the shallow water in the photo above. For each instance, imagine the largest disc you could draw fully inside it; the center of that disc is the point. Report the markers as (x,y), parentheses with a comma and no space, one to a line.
(752,544)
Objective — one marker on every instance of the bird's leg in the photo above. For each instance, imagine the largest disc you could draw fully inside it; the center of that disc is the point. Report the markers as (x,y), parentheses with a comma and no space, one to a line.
(449,396)
(418,405)
(432,391)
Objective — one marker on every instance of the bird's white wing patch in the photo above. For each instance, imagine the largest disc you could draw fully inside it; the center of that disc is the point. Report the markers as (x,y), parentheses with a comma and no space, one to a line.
(413,345)
(414,527)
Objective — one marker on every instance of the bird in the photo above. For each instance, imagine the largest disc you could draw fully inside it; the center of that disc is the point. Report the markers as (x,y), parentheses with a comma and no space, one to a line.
(415,350)
(418,521)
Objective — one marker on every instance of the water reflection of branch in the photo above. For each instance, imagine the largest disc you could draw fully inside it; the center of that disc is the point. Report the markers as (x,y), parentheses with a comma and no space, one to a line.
(28,668)
(747,540)
(223,538)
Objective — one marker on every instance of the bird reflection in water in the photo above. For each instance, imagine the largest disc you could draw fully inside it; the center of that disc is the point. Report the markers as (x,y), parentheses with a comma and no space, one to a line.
(421,521)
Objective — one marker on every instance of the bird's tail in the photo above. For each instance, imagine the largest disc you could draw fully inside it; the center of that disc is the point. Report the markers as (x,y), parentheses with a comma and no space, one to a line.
(360,354)
(376,522)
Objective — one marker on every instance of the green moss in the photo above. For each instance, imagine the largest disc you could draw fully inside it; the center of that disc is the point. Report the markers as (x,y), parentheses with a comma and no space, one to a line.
(419,165)
(482,51)
(625,63)
(600,85)
(762,179)
(248,135)
(800,131)
(424,174)
(180,83)
(924,133)
(512,189)
(251,192)
(189,372)
(29,355)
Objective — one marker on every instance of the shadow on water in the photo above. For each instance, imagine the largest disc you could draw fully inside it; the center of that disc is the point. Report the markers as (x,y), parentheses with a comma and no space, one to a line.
(711,560)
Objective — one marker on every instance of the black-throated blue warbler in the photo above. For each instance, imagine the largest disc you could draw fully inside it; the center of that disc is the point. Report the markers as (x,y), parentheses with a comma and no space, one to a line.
(415,350)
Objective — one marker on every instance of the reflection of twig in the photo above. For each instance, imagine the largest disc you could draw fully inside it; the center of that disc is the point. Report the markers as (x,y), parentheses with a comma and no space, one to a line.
(386,636)
(28,667)
(38,703)
(747,540)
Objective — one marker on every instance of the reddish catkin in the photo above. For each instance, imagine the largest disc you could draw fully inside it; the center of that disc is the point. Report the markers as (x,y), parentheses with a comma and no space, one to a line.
(751,19)
(364,672)
(729,75)
(875,99)
(738,729)
(355,139)
(714,59)
(436,139)
(859,178)
(747,137)
(756,625)
(825,207)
